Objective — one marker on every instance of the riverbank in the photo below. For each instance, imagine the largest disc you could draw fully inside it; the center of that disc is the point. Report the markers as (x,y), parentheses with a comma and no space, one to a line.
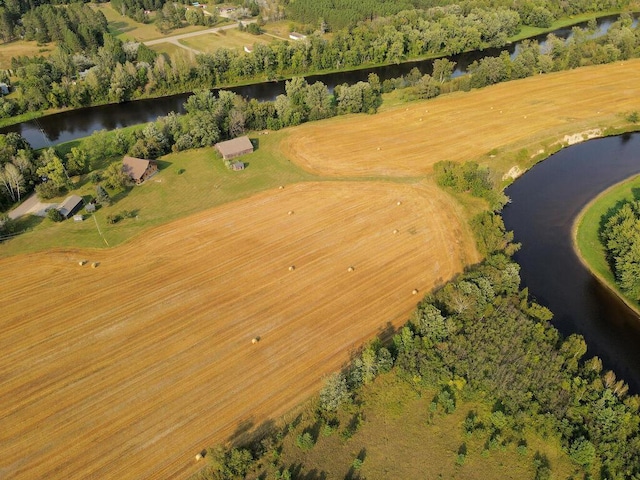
(585,236)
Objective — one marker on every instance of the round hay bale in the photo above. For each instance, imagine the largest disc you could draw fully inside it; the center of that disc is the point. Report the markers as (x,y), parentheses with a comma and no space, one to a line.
(94,265)
(399,203)
(290,212)
(350,269)
(378,148)
(198,457)
(395,231)
(281,187)
(292,268)
(254,340)
(82,262)
(414,291)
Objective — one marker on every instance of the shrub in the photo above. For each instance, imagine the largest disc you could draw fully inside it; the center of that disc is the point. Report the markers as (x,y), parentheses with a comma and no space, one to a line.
(47,190)
(113,218)
(55,215)
(305,441)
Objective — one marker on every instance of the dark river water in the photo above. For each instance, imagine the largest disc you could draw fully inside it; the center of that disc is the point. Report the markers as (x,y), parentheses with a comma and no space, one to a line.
(544,204)
(66,126)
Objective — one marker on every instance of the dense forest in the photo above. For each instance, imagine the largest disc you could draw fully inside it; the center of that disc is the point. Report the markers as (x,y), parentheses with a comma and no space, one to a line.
(481,337)
(620,235)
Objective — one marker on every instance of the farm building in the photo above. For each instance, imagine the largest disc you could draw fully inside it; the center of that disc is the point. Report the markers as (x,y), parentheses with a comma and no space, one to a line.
(297,36)
(70,206)
(139,169)
(237,166)
(234,148)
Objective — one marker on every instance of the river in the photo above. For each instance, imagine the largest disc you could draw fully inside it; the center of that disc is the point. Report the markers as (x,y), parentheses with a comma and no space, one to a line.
(74,124)
(544,204)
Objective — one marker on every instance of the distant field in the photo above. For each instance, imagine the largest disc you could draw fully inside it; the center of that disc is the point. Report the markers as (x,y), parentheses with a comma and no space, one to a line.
(409,139)
(125,28)
(232,39)
(129,369)
(19,48)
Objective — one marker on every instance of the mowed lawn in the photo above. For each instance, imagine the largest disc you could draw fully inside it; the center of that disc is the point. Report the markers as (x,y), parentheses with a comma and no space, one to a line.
(129,369)
(232,39)
(513,121)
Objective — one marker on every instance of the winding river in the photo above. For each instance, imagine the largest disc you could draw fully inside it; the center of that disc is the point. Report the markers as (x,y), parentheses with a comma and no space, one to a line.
(544,204)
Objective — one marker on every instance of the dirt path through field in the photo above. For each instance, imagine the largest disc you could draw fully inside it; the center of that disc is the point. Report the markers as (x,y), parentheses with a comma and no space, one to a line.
(127,370)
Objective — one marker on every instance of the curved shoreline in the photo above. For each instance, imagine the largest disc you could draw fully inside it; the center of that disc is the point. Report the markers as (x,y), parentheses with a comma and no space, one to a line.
(577,223)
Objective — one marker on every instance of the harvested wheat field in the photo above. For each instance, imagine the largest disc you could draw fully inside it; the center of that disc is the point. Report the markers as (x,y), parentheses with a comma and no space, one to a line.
(200,328)
(408,140)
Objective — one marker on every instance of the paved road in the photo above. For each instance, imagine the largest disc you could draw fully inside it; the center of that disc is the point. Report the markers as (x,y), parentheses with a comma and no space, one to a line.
(175,39)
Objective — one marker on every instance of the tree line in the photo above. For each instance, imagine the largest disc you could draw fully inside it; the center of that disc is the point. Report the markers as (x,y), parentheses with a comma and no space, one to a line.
(620,236)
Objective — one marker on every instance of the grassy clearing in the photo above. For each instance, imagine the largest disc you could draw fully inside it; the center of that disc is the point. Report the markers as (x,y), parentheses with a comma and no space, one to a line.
(170,49)
(126,28)
(205,183)
(19,48)
(400,438)
(230,39)
(279,29)
(586,233)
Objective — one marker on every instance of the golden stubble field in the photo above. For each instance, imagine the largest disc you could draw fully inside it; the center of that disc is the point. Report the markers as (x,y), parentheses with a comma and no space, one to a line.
(127,370)
(408,140)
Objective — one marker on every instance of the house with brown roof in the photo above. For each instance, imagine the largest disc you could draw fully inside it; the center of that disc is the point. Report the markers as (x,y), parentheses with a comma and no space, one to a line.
(139,169)
(234,148)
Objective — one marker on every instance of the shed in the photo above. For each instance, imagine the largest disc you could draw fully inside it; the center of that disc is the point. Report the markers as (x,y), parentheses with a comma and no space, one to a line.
(139,169)
(297,36)
(4,88)
(248,49)
(236,166)
(90,208)
(78,218)
(234,148)
(70,206)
